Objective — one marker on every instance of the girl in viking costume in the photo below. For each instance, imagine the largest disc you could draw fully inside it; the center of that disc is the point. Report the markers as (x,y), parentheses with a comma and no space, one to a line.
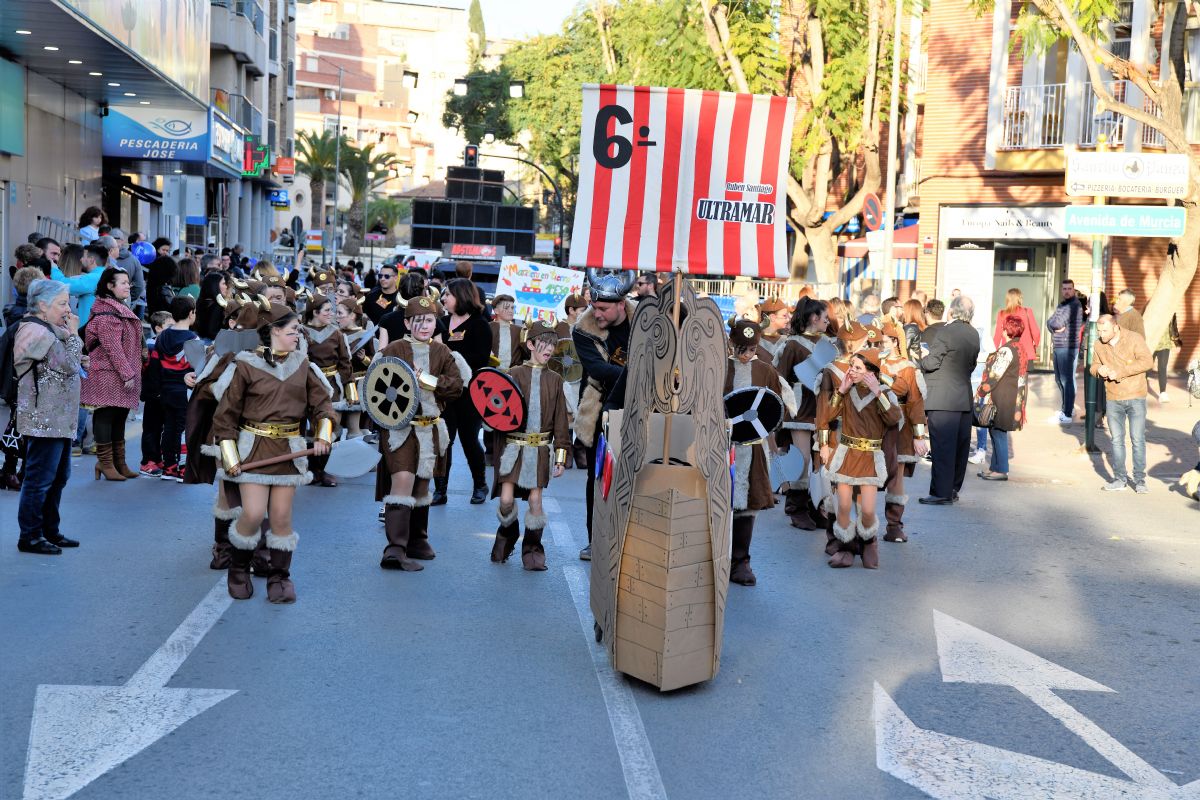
(328,352)
(522,459)
(349,320)
(865,409)
(751,473)
(269,395)
(416,453)
(775,319)
(808,326)
(506,334)
(910,440)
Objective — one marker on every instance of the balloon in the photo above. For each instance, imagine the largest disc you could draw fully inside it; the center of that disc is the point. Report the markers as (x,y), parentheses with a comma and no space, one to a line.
(143,251)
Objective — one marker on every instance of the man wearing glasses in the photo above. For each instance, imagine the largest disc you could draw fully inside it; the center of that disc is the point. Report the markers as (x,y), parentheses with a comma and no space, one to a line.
(644,288)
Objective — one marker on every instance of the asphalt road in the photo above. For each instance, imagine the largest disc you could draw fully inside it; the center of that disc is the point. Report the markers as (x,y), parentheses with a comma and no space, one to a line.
(476,680)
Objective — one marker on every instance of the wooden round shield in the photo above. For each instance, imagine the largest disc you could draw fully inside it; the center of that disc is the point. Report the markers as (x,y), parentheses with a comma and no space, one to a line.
(565,361)
(390,392)
(498,400)
(755,412)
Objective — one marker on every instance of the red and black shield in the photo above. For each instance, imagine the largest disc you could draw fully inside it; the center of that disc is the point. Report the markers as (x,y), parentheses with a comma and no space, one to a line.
(498,400)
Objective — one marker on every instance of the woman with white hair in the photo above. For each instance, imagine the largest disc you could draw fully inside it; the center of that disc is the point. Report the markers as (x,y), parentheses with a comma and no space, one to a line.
(47,355)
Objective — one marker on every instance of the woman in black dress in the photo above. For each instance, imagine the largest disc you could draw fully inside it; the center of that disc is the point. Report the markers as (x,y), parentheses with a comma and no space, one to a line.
(465,331)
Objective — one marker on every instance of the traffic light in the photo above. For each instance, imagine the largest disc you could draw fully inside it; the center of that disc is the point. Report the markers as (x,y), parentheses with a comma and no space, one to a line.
(471,156)
(558,249)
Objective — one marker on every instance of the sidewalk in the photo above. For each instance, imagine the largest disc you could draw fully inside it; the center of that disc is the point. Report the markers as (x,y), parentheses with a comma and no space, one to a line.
(1053,454)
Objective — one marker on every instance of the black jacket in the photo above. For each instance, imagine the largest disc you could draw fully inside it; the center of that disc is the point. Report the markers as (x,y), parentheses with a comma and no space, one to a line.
(953,353)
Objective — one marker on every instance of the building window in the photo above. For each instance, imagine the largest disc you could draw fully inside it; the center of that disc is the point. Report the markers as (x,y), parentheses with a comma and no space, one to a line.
(310,63)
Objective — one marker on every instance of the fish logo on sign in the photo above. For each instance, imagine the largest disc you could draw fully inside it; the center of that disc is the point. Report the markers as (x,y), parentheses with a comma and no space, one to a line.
(172,127)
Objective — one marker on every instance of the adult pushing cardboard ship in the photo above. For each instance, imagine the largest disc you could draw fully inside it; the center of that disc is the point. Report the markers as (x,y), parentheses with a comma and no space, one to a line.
(651,161)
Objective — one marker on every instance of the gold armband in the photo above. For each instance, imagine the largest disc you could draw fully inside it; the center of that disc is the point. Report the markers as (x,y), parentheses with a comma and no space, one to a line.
(494,360)
(823,437)
(919,431)
(428,381)
(884,403)
(886,380)
(560,457)
(836,401)
(230,458)
(352,392)
(324,430)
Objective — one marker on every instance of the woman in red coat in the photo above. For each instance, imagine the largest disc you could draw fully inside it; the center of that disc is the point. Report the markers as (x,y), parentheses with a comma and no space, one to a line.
(1029,341)
(113,342)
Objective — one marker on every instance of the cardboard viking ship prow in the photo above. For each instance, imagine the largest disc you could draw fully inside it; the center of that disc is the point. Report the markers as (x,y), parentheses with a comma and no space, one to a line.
(661,537)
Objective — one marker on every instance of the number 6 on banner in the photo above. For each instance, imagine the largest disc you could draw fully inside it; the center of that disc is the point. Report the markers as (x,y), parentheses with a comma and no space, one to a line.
(706,194)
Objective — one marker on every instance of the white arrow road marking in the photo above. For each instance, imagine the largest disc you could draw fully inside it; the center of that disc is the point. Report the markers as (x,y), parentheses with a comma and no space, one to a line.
(969,655)
(642,778)
(79,733)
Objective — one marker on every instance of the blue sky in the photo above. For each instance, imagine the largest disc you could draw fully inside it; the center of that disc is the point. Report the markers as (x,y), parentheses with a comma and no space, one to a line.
(518,19)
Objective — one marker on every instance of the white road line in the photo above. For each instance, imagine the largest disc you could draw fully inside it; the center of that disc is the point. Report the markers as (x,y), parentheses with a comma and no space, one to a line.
(168,658)
(642,779)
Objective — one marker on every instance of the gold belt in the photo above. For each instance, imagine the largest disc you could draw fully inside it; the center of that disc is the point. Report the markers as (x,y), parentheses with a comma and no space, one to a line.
(424,422)
(329,372)
(859,443)
(272,430)
(529,439)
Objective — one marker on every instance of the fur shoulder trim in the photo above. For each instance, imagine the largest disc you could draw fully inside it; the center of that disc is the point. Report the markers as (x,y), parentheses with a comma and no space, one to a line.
(222,383)
(318,335)
(209,366)
(282,370)
(587,322)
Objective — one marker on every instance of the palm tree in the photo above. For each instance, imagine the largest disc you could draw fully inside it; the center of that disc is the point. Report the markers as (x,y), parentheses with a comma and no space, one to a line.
(365,170)
(389,212)
(316,154)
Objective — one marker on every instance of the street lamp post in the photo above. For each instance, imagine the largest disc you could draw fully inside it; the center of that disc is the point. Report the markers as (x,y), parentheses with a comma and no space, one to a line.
(562,249)
(337,168)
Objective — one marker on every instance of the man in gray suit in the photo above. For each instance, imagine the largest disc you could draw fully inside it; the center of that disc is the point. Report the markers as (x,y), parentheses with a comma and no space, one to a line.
(948,364)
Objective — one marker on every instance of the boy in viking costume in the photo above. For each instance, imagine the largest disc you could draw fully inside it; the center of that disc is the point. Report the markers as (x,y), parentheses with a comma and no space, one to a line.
(506,334)
(328,352)
(415,454)
(271,393)
(865,410)
(523,459)
(909,441)
(751,473)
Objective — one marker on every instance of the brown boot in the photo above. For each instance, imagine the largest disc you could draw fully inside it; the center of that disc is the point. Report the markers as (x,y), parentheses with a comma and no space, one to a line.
(397,516)
(104,463)
(418,526)
(870,544)
(260,565)
(842,559)
(533,555)
(843,554)
(238,580)
(279,584)
(221,549)
(119,460)
(743,531)
(791,501)
(507,533)
(893,511)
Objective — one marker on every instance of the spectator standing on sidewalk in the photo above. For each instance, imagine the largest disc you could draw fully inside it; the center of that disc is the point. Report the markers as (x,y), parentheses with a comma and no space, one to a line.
(1066,325)
(1122,360)
(127,261)
(1170,340)
(1003,388)
(1030,340)
(1128,317)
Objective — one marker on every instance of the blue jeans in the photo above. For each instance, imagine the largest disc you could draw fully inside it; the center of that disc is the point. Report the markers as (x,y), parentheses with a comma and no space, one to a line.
(1119,413)
(47,468)
(1065,360)
(999,462)
(81,426)
(981,437)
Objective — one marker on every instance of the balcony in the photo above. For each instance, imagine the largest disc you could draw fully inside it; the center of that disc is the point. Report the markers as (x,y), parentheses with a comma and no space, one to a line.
(239,27)
(1111,124)
(239,109)
(1035,118)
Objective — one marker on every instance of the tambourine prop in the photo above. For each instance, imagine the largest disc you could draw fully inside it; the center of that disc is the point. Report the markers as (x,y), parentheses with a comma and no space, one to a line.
(498,400)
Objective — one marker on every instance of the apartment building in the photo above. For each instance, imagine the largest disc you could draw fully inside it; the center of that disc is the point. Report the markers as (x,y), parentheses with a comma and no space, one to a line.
(995,128)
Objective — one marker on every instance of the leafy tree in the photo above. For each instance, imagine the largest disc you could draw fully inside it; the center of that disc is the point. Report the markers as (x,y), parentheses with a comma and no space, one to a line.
(1040,23)
(316,154)
(364,170)
(389,212)
(478,33)
(483,109)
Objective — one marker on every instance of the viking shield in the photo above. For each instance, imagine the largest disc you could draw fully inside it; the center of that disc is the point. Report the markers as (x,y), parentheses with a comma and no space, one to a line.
(498,400)
(565,361)
(755,413)
(390,392)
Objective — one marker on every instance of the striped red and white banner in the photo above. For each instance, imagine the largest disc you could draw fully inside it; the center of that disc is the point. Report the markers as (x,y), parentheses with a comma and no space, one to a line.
(683,179)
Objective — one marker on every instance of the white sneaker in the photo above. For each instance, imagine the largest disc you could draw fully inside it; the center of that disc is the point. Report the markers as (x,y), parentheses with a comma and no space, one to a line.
(1054,419)
(1163,397)
(977,457)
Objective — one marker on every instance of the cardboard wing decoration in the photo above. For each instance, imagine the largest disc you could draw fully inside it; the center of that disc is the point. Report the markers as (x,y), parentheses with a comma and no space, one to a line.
(661,536)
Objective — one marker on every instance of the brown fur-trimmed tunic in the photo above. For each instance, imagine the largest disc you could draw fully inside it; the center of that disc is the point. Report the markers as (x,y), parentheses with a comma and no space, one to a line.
(513,356)
(290,391)
(909,387)
(360,359)
(796,350)
(327,349)
(513,462)
(752,476)
(859,415)
(419,449)
(201,466)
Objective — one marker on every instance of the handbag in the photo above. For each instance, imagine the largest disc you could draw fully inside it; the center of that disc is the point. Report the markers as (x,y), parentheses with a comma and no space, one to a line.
(984,413)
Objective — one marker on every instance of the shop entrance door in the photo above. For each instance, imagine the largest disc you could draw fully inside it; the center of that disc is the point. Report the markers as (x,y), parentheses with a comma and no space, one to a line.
(1032,268)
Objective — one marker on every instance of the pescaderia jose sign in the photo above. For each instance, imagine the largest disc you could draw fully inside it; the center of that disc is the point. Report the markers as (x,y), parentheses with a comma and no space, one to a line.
(156,134)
